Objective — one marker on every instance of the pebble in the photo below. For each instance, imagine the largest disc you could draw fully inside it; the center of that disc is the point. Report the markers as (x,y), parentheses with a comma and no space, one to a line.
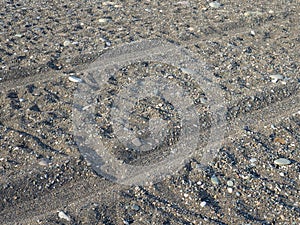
(214,5)
(203,100)
(126,222)
(230,183)
(230,190)
(107,3)
(75,79)
(282,162)
(67,43)
(19,35)
(253,160)
(202,204)
(44,162)
(135,207)
(188,71)
(64,216)
(214,180)
(136,142)
(280,140)
(103,20)
(276,77)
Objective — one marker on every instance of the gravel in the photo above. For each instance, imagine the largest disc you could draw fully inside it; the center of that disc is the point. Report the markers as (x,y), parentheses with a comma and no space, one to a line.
(243,46)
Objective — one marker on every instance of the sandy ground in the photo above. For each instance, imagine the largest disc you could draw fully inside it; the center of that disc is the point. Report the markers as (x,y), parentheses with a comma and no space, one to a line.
(46,180)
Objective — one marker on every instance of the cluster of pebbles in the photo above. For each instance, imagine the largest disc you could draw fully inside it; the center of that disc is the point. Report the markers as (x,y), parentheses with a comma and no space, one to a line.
(252,50)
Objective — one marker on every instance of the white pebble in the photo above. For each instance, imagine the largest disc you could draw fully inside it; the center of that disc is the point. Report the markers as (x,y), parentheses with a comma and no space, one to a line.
(202,204)
(136,142)
(276,77)
(203,100)
(103,20)
(64,216)
(282,162)
(188,71)
(214,5)
(67,43)
(75,79)
(230,183)
(253,160)
(44,162)
(230,190)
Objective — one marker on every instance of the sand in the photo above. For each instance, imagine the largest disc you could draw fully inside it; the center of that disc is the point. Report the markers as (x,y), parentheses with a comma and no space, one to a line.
(44,173)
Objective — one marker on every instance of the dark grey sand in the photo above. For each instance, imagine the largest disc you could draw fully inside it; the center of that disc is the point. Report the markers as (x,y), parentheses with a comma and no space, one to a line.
(44,178)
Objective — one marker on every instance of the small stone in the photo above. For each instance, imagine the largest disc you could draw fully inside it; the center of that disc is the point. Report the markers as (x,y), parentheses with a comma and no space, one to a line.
(252,32)
(35,108)
(280,140)
(188,71)
(44,162)
(253,160)
(104,20)
(276,77)
(282,162)
(19,35)
(214,180)
(135,207)
(203,100)
(107,3)
(136,142)
(67,43)
(126,222)
(230,183)
(214,5)
(230,190)
(202,204)
(75,79)
(88,163)
(64,216)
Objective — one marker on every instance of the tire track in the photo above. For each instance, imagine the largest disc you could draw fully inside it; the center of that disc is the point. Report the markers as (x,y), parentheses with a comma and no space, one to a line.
(73,194)
(225,29)
(257,119)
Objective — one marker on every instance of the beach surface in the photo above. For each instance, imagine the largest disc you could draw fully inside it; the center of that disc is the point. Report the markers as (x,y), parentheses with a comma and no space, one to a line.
(247,100)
